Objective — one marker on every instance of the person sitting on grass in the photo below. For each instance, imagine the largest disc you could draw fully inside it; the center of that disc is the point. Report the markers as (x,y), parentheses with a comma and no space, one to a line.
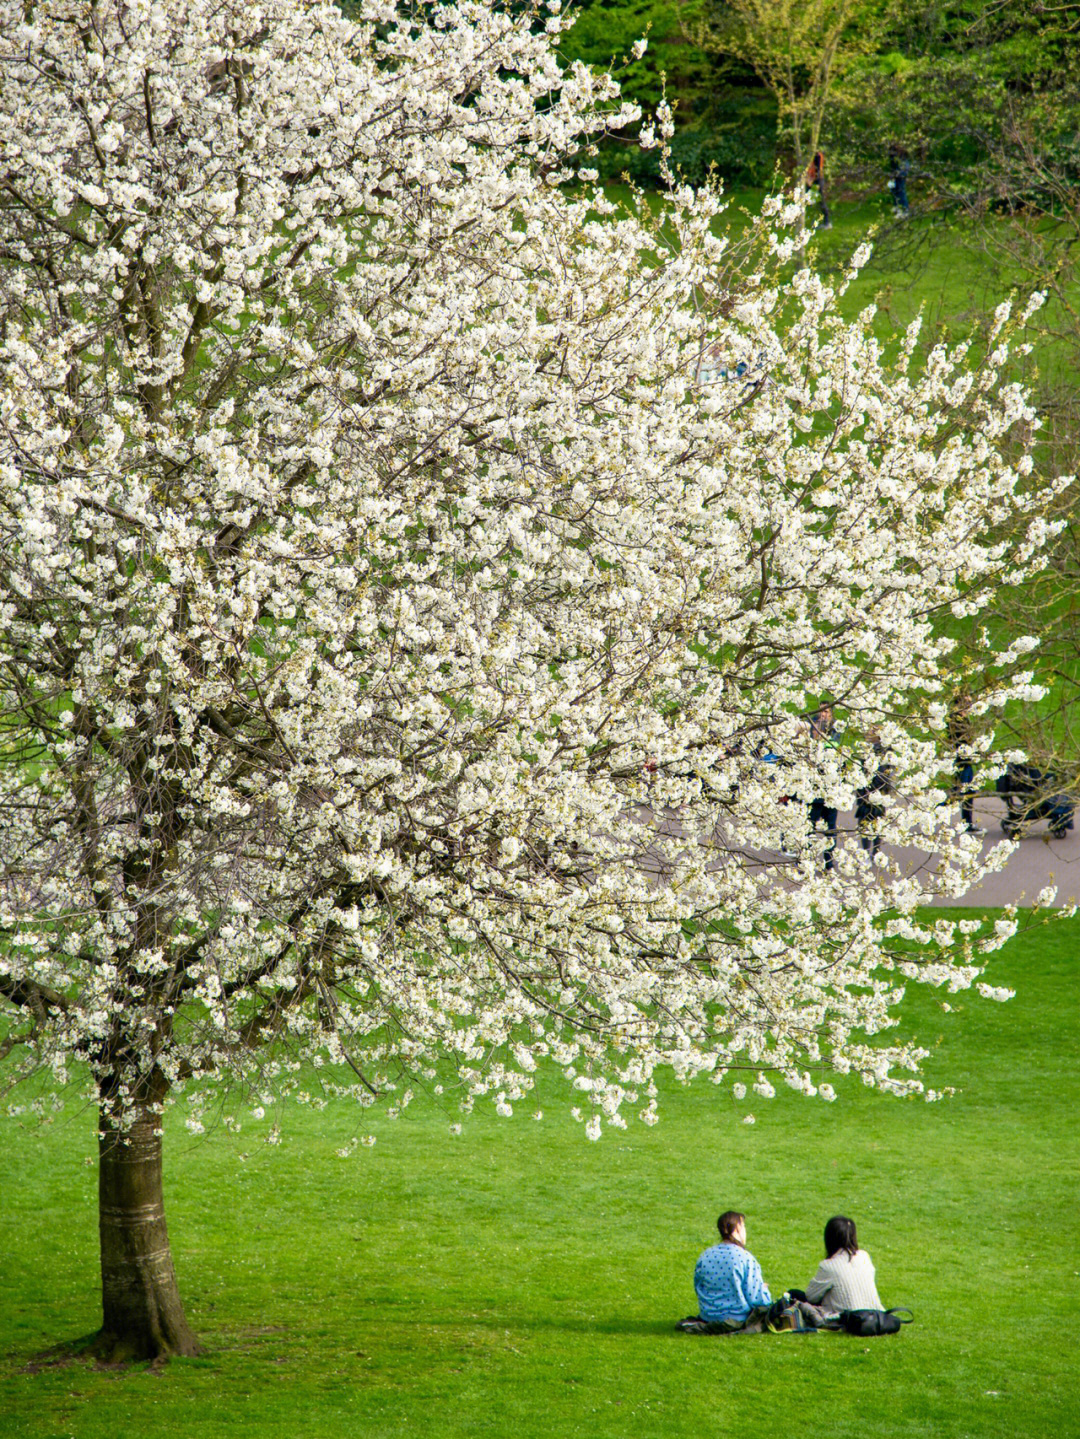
(727,1278)
(845,1277)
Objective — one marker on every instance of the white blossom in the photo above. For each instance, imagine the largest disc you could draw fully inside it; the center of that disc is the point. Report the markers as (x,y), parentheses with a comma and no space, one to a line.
(996,992)
(394,621)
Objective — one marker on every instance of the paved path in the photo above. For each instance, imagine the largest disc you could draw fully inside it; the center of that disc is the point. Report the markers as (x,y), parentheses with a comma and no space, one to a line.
(1038,860)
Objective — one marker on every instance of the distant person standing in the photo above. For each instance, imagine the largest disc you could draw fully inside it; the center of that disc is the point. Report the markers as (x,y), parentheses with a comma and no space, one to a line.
(961,735)
(822,723)
(815,178)
(899,170)
(869,811)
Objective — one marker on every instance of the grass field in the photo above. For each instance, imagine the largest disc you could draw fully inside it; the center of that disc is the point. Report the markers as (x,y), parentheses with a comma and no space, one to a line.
(518,1281)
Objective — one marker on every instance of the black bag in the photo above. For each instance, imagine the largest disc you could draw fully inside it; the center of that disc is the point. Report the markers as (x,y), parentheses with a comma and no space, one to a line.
(868,1323)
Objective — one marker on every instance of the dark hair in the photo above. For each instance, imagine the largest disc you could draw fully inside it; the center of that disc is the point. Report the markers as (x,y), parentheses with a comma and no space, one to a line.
(840,1234)
(727,1224)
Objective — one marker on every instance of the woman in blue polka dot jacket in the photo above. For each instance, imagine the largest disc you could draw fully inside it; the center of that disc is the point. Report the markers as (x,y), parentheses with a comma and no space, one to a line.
(727,1277)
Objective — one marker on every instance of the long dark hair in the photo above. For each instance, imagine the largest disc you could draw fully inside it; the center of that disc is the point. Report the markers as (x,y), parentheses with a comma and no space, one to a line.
(840,1234)
(727,1224)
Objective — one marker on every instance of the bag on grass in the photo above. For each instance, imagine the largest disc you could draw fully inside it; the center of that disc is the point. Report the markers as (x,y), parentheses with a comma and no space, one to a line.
(788,1315)
(868,1323)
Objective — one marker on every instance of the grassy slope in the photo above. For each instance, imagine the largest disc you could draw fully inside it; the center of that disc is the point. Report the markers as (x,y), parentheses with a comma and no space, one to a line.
(934,262)
(520,1281)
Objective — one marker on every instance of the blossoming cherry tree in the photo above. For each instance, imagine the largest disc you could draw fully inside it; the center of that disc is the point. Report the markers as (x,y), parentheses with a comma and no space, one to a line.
(399,606)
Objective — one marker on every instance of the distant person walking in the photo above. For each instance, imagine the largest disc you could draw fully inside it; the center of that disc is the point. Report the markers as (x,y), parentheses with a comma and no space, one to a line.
(815,178)
(899,170)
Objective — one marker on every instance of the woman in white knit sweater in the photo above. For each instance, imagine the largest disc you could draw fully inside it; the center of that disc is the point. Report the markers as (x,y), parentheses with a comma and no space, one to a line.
(845,1277)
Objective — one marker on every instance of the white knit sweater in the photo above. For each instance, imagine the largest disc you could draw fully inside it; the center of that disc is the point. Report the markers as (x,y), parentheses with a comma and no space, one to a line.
(844,1282)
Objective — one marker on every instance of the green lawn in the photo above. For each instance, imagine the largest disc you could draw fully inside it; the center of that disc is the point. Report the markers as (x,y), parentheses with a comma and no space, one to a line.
(518,1281)
(937,262)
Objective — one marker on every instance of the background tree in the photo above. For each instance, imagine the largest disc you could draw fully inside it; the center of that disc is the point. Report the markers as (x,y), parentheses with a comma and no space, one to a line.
(931,77)
(722,116)
(1023,223)
(384,545)
(605,33)
(799,49)
(949,82)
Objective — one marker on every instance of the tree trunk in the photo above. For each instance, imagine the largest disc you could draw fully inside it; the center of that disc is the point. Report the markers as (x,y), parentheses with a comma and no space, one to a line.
(142,1316)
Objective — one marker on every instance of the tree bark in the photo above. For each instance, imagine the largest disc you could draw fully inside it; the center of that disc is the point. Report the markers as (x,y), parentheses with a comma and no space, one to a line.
(142,1316)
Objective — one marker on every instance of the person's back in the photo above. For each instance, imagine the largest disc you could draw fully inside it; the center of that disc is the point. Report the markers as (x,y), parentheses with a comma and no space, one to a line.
(727,1278)
(845,1279)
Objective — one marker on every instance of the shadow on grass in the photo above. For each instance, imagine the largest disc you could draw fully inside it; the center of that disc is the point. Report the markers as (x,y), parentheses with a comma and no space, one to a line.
(516,1324)
(68,1351)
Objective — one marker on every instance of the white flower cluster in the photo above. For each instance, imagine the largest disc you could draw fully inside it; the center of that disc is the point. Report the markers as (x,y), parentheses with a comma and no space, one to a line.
(393,626)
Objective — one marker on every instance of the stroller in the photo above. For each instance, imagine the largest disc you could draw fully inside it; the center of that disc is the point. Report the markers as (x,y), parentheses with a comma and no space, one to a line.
(1030,794)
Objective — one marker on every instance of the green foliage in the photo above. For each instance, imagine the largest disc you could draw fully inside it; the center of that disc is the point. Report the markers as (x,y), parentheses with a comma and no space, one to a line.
(893,63)
(723,119)
(604,34)
(516,1280)
(943,78)
(800,50)
(739,143)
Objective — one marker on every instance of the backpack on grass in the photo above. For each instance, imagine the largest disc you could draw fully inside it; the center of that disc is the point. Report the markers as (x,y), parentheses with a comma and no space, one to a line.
(868,1323)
